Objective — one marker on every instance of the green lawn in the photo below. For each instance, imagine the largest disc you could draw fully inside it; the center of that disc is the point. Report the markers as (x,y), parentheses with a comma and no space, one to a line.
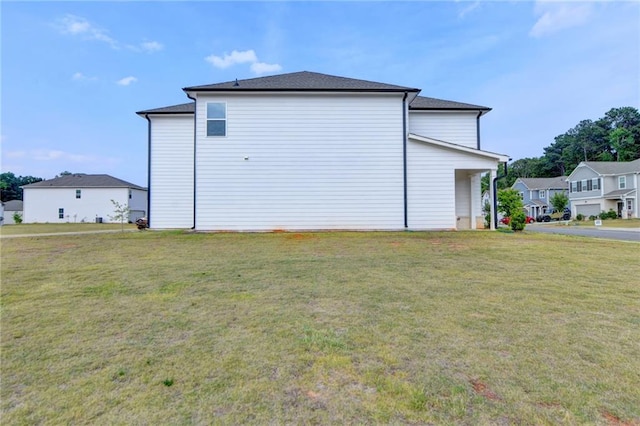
(340,328)
(611,223)
(45,228)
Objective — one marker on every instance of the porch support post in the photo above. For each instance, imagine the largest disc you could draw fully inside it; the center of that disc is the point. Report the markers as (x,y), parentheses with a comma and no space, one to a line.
(492,196)
(474,200)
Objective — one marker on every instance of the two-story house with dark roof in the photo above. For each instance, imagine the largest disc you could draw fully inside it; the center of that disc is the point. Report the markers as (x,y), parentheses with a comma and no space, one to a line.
(81,197)
(310,151)
(536,193)
(600,186)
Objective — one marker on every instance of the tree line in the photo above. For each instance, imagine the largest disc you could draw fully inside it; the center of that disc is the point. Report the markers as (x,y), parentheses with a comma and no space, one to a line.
(10,184)
(614,137)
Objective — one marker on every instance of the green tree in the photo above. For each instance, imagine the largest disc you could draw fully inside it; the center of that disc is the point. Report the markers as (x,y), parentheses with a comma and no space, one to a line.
(10,185)
(120,213)
(559,201)
(622,143)
(510,205)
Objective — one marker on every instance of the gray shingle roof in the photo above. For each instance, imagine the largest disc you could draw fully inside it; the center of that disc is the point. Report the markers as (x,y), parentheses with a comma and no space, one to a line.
(613,167)
(81,180)
(187,108)
(13,206)
(559,182)
(425,103)
(302,81)
(618,193)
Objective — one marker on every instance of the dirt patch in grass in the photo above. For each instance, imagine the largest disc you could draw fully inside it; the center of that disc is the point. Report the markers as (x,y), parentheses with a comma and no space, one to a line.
(482,389)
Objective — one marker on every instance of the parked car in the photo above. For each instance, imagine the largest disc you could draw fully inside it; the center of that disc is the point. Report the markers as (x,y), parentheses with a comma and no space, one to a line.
(555,215)
(507,220)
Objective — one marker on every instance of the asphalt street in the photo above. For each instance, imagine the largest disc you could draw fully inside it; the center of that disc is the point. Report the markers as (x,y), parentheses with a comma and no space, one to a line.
(623,234)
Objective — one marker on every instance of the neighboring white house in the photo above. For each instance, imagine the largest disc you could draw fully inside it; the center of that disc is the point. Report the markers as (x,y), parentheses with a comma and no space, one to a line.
(9,209)
(597,186)
(81,198)
(310,151)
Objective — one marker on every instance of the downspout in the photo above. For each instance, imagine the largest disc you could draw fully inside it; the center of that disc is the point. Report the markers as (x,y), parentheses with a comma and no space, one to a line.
(194,158)
(404,157)
(478,128)
(146,116)
(495,196)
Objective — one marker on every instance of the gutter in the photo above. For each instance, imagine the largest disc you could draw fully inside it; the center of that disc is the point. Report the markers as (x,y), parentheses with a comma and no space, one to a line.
(146,116)
(194,157)
(478,128)
(404,157)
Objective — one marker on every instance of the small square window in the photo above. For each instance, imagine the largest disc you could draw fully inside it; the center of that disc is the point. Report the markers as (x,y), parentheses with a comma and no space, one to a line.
(78,193)
(216,119)
(542,194)
(622,182)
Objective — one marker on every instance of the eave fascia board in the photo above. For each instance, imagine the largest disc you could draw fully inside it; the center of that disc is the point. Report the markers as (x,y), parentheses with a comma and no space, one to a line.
(443,144)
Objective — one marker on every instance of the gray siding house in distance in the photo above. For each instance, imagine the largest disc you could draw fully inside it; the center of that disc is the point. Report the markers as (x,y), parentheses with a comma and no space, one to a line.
(536,193)
(597,186)
(311,151)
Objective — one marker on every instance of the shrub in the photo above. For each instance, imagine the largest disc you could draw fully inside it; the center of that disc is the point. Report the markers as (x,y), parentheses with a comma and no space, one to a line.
(593,217)
(17,218)
(608,215)
(518,221)
(580,217)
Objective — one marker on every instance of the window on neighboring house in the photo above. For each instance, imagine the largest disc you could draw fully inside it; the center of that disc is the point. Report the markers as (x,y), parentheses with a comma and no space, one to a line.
(129,194)
(584,184)
(216,119)
(595,183)
(522,195)
(622,182)
(60,213)
(590,185)
(542,194)
(574,186)
(579,183)
(78,193)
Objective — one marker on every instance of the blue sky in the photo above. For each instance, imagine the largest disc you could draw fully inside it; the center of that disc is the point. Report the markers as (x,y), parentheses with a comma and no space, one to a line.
(75,73)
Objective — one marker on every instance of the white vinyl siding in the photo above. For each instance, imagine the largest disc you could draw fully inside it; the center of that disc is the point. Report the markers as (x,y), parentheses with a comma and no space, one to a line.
(301,161)
(42,204)
(457,127)
(171,186)
(432,188)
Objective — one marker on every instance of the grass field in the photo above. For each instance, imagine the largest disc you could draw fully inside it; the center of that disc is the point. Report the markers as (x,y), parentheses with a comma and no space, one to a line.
(46,228)
(342,328)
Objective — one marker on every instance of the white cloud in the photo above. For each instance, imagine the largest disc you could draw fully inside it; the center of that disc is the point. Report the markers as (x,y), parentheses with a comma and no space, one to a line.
(55,155)
(235,57)
(474,5)
(126,81)
(81,77)
(242,57)
(77,25)
(559,16)
(151,46)
(263,68)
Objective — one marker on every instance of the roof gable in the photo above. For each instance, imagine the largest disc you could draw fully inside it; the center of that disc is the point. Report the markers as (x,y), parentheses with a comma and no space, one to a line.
(425,103)
(612,167)
(302,81)
(559,182)
(81,180)
(188,108)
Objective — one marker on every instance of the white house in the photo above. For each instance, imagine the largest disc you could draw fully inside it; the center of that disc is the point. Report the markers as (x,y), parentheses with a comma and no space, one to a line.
(310,151)
(9,209)
(81,198)
(597,186)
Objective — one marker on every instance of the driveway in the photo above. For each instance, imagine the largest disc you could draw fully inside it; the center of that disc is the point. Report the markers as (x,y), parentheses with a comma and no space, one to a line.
(622,234)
